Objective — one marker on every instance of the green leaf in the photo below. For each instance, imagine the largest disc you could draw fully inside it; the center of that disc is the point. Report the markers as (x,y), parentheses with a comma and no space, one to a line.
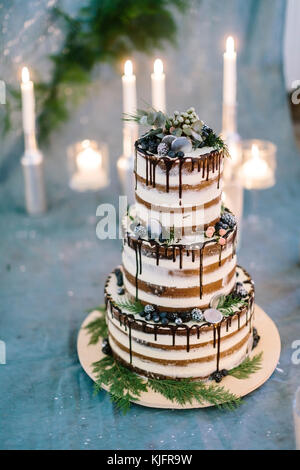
(186,391)
(124,385)
(248,367)
(131,306)
(97,329)
(227,304)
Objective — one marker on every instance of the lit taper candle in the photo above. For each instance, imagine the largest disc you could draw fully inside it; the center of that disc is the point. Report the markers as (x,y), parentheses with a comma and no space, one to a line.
(158,80)
(28,110)
(229,79)
(129,89)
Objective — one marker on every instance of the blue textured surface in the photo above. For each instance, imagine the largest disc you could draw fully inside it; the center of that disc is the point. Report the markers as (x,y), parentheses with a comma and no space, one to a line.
(53,267)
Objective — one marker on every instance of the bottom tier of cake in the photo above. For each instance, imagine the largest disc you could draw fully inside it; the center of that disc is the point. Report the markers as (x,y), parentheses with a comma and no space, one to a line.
(191,350)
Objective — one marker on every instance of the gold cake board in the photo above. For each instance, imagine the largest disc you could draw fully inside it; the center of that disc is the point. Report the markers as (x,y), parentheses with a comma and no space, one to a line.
(269,344)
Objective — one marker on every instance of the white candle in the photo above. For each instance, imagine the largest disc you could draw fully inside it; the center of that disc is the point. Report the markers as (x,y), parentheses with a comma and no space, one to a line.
(229,78)
(28,108)
(129,89)
(256,172)
(158,80)
(130,129)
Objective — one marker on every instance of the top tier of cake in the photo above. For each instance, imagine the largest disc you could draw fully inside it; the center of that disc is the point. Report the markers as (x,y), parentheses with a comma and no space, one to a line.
(184,193)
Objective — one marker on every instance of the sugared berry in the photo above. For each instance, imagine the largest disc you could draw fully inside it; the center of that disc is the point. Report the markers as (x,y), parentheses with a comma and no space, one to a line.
(149,308)
(178,321)
(197,314)
(163,149)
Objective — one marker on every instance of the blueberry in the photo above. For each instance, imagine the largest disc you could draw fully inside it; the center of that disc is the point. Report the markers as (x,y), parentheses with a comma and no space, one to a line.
(144,145)
(148,317)
(163,315)
(142,313)
(121,291)
(171,154)
(164,321)
(224,372)
(180,154)
(156,318)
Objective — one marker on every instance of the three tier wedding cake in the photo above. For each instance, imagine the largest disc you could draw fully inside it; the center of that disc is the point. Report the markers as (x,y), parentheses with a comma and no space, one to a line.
(179,306)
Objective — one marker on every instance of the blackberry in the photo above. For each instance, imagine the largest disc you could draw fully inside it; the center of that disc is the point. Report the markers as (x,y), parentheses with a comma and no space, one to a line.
(171,316)
(206,131)
(106,349)
(119,276)
(217,376)
(228,219)
(142,314)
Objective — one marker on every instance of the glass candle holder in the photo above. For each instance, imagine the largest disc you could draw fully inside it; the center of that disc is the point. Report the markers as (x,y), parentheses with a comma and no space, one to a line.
(88,166)
(257,170)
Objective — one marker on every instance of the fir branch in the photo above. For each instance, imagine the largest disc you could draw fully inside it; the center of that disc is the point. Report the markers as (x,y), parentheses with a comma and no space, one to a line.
(185,391)
(131,306)
(248,367)
(227,303)
(124,385)
(97,328)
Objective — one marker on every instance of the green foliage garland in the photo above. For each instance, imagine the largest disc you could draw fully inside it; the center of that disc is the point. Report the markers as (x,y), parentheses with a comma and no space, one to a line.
(125,386)
(105,31)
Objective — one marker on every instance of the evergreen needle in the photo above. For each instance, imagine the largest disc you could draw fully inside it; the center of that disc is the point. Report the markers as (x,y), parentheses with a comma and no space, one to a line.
(248,367)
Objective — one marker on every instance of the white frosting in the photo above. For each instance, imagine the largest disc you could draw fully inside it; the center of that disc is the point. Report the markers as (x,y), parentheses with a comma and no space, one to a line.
(190,178)
(189,197)
(197,218)
(178,302)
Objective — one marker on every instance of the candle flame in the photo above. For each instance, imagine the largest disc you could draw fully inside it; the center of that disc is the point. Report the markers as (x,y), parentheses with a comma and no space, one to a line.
(255,151)
(25,75)
(158,67)
(128,68)
(230,45)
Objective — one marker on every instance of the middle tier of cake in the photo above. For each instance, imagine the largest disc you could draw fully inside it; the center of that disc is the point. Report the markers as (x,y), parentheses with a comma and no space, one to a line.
(179,277)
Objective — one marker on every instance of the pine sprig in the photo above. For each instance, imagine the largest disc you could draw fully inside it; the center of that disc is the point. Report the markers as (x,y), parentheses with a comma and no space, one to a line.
(186,391)
(124,385)
(248,367)
(131,306)
(227,303)
(97,328)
